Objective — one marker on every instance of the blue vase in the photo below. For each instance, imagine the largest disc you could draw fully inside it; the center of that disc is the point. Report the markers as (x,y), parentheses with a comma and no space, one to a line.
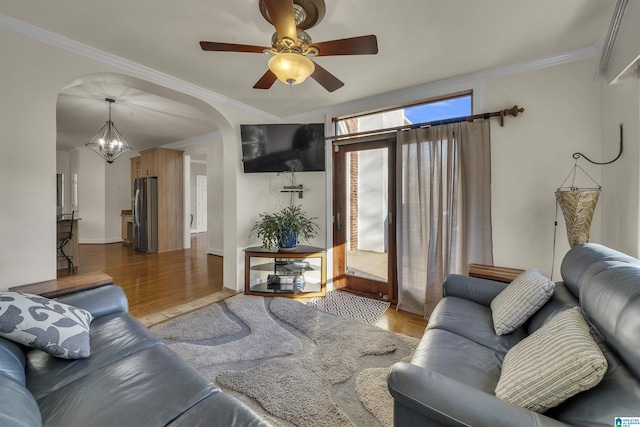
(289,241)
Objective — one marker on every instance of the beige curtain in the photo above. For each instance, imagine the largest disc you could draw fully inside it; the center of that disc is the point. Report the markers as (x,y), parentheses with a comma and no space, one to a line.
(444,208)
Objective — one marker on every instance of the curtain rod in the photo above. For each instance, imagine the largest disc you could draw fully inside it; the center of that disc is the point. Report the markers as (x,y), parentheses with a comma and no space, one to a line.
(513,111)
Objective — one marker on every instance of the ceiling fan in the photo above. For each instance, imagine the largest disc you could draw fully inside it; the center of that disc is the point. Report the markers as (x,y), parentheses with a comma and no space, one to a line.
(291,46)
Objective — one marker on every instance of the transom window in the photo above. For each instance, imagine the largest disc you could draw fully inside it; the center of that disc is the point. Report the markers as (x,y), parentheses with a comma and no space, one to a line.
(439,109)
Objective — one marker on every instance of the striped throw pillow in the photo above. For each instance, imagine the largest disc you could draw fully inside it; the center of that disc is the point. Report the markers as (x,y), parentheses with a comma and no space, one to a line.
(557,361)
(520,300)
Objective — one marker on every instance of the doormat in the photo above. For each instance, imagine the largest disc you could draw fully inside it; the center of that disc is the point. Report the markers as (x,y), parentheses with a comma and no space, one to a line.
(345,304)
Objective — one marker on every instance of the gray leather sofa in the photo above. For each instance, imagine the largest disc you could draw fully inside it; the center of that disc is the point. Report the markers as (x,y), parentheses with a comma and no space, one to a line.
(130,379)
(451,378)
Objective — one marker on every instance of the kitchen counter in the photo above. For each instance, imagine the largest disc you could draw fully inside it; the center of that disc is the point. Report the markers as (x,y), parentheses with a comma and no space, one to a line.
(127,226)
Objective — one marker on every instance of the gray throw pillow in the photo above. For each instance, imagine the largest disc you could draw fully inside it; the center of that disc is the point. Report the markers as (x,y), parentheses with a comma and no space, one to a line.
(520,300)
(44,324)
(557,361)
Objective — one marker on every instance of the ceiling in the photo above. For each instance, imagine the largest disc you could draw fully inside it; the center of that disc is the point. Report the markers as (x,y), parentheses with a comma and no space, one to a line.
(420,42)
(145,120)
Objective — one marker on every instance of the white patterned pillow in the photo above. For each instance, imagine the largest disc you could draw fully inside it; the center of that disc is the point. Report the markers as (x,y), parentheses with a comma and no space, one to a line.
(520,300)
(44,324)
(557,361)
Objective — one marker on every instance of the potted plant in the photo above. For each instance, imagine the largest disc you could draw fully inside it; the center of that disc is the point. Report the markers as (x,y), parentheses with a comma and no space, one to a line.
(285,228)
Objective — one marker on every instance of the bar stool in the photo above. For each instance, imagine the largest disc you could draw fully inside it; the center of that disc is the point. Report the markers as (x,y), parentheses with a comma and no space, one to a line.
(65,233)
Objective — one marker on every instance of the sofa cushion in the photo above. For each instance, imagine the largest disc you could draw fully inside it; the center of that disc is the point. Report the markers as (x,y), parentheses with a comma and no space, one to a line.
(472,321)
(557,361)
(459,358)
(44,324)
(561,300)
(225,409)
(610,299)
(587,259)
(113,338)
(149,388)
(518,301)
(618,393)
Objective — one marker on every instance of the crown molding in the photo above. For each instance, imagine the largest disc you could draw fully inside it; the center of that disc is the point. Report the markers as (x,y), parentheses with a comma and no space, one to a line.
(612,34)
(149,74)
(465,82)
(472,81)
(191,141)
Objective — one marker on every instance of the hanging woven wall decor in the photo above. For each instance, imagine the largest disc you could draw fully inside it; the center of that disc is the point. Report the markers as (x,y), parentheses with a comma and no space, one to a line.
(578,204)
(577,207)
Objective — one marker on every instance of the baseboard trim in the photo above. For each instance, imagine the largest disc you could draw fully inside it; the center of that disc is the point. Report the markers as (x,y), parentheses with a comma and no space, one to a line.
(100,241)
(218,252)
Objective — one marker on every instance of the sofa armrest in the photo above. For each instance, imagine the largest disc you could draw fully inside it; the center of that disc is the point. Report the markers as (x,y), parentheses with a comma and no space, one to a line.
(19,408)
(100,301)
(481,291)
(451,403)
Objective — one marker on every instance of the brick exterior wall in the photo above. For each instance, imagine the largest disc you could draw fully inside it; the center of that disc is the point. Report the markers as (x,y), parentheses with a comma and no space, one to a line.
(353,200)
(352,193)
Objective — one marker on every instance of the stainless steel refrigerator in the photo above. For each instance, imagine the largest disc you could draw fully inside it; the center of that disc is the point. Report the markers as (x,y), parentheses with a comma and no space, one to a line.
(145,214)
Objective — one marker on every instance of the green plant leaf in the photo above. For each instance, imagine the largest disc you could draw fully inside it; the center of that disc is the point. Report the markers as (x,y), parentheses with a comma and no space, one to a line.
(272,228)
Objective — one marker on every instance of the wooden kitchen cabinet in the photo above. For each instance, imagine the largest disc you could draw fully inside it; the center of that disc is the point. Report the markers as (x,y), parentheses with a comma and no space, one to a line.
(170,198)
(149,162)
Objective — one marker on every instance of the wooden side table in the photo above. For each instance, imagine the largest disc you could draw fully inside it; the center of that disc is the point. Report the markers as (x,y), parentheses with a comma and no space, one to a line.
(491,272)
(65,285)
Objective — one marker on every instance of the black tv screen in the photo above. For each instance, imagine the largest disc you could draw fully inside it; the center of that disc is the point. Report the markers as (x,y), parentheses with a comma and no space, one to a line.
(283,147)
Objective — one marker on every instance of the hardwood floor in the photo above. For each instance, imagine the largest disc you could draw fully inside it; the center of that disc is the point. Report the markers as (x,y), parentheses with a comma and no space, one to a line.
(155,282)
(175,282)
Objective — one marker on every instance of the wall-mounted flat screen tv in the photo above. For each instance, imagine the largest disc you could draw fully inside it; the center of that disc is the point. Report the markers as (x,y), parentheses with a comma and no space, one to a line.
(283,147)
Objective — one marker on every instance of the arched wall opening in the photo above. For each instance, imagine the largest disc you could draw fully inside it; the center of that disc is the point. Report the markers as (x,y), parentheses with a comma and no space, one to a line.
(221,184)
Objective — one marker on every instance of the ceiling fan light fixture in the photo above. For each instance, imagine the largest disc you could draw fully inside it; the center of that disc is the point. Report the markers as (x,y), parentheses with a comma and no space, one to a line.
(291,68)
(109,142)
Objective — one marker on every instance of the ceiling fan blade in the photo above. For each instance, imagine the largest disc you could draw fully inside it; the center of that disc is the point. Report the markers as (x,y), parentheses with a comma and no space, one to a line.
(326,79)
(281,14)
(266,81)
(363,45)
(231,47)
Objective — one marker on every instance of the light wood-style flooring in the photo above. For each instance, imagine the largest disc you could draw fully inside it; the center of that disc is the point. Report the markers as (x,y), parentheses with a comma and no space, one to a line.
(167,284)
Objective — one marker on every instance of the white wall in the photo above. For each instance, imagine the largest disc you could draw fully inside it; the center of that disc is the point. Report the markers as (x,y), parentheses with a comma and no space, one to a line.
(261,193)
(621,179)
(91,196)
(117,193)
(28,155)
(531,156)
(27,159)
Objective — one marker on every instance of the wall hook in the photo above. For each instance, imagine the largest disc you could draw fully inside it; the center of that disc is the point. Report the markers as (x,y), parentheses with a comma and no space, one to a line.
(578,155)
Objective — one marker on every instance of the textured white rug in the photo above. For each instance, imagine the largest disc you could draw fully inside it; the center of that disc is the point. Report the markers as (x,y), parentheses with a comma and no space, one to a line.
(293,364)
(345,304)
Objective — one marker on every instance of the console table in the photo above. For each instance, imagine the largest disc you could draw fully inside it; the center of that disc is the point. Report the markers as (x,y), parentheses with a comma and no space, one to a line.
(297,274)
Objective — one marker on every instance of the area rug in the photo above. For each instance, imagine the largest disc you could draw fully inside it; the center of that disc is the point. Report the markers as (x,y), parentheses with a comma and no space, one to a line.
(344,304)
(293,364)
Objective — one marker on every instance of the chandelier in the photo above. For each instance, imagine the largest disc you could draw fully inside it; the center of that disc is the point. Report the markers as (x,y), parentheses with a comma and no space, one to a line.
(109,142)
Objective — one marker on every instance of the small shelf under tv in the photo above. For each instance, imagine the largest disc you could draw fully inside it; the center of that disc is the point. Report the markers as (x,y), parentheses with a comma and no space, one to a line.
(293,189)
(301,273)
